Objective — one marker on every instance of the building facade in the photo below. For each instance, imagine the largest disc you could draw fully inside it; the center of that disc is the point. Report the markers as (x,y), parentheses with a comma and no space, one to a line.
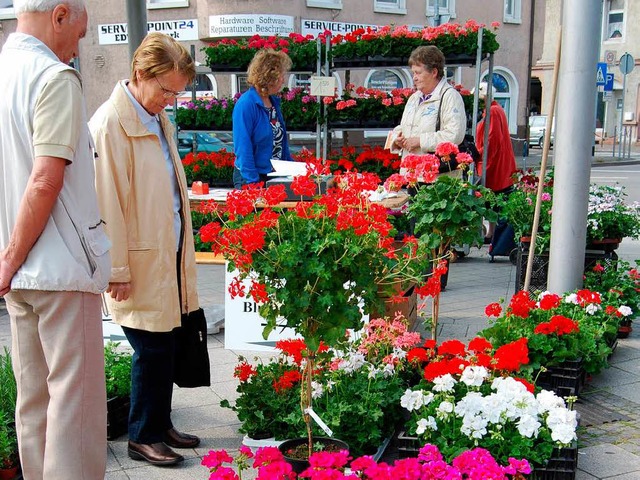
(104,53)
(617,109)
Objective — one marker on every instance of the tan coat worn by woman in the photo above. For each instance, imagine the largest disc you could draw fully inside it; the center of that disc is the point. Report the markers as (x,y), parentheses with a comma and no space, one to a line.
(129,155)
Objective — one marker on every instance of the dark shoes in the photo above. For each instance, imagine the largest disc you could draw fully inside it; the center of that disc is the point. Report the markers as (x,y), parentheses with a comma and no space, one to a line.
(176,439)
(156,454)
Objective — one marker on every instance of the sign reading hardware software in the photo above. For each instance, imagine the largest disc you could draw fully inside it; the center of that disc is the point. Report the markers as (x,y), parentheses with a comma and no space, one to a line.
(246,25)
(181,30)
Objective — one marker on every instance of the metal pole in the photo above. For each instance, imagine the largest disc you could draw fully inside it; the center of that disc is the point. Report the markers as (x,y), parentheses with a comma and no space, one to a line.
(620,129)
(136,24)
(573,140)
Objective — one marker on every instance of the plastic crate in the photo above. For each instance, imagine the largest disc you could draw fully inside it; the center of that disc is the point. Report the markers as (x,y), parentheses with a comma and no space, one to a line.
(565,380)
(539,270)
(117,417)
(561,466)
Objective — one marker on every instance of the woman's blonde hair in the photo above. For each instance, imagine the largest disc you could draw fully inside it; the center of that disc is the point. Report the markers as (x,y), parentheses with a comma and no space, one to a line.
(158,54)
(266,67)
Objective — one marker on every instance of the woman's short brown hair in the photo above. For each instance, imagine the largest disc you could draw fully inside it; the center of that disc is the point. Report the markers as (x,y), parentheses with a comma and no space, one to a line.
(159,54)
(429,56)
(266,67)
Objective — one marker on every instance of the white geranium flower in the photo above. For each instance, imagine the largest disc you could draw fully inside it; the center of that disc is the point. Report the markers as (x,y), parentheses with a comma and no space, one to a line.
(473,403)
(625,311)
(571,298)
(399,353)
(474,426)
(548,400)
(562,423)
(316,389)
(529,426)
(412,400)
(444,383)
(388,370)
(474,376)
(444,409)
(592,308)
(354,361)
(425,424)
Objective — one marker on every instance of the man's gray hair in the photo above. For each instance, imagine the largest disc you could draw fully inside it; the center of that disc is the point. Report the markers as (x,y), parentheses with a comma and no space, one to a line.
(23,6)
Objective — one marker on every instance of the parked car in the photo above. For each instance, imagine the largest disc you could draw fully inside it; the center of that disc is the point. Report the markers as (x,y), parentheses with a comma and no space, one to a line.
(205,142)
(537,129)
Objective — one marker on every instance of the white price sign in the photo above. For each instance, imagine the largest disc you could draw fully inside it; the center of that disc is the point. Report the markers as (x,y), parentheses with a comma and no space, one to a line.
(323,86)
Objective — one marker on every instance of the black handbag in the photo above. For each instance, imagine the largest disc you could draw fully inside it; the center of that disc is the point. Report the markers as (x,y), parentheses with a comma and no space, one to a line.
(191,364)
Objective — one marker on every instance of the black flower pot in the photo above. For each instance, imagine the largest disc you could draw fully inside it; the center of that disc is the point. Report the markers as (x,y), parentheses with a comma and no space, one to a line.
(117,416)
(299,465)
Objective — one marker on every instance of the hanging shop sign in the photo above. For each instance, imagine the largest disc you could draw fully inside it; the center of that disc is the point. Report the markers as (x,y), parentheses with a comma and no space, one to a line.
(315,27)
(247,25)
(181,30)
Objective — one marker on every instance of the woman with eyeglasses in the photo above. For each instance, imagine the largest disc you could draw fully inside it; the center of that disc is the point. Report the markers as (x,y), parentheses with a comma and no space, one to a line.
(259,131)
(142,193)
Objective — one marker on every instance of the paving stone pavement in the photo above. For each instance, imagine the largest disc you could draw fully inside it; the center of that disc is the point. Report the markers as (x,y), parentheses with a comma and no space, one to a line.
(606,451)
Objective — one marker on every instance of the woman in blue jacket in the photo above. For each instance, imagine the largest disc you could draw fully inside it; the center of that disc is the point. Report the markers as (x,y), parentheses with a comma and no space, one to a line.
(259,132)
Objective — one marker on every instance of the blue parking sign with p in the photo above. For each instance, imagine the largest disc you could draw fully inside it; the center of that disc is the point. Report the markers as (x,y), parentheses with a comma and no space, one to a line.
(608,84)
(601,74)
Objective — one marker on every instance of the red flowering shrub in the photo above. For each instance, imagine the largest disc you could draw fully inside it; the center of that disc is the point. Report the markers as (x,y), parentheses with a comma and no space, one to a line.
(556,328)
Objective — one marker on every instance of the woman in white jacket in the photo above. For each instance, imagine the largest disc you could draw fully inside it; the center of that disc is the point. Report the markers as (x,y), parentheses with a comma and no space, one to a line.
(420,129)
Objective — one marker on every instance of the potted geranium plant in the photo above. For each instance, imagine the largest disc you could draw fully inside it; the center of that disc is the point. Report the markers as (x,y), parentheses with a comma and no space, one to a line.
(9,461)
(395,44)
(357,387)
(559,329)
(268,462)
(207,113)
(619,285)
(447,210)
(117,369)
(313,268)
(229,54)
(366,158)
(469,397)
(215,168)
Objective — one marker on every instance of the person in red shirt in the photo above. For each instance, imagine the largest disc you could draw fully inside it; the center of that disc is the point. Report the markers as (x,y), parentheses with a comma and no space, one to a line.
(501,162)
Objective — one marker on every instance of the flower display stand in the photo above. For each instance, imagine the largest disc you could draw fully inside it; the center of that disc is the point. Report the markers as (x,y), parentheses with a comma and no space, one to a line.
(540,268)
(117,416)
(565,380)
(561,466)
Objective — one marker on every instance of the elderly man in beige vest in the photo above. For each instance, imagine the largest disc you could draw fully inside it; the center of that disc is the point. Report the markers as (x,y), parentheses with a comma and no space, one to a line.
(54,254)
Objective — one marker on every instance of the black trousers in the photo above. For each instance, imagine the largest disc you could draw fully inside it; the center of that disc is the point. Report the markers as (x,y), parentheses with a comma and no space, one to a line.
(151,384)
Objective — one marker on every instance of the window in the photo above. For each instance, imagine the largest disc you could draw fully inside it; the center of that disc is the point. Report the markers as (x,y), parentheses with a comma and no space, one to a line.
(6,9)
(335,4)
(506,88)
(512,11)
(440,11)
(615,25)
(153,4)
(390,6)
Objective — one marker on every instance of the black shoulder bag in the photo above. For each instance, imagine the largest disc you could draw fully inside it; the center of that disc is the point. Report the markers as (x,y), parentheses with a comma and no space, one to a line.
(191,365)
(468,145)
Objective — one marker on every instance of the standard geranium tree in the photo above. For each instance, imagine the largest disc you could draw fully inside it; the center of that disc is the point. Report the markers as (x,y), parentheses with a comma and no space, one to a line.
(314,268)
(447,209)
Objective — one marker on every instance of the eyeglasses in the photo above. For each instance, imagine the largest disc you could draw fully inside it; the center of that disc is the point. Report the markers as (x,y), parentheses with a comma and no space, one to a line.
(166,93)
